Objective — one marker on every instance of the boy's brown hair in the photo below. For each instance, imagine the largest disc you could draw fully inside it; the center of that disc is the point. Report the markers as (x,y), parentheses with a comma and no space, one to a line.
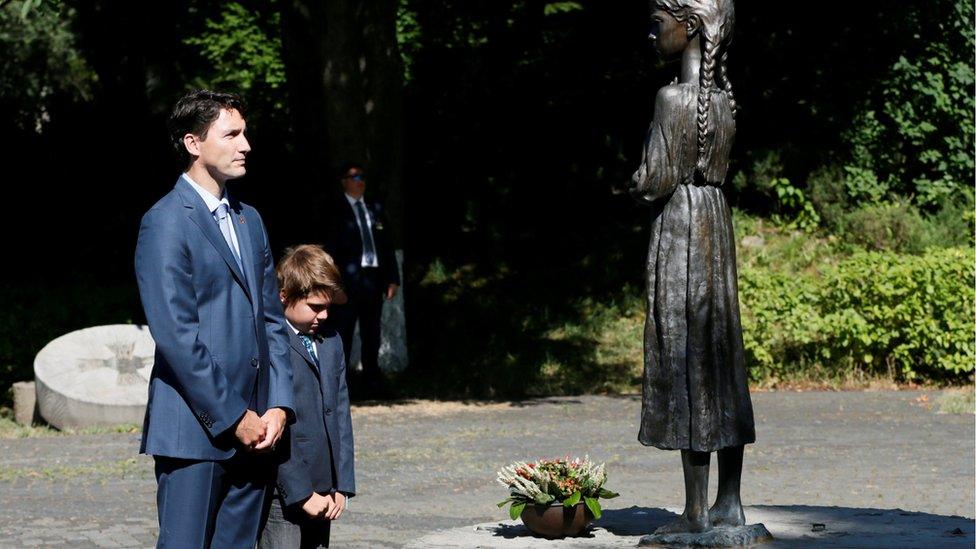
(305,270)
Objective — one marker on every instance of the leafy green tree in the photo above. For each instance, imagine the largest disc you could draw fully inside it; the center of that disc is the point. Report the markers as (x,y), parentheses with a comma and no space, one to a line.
(243,50)
(40,61)
(914,133)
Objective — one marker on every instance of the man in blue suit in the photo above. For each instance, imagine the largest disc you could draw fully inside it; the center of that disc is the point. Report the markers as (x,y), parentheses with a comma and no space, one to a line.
(221,386)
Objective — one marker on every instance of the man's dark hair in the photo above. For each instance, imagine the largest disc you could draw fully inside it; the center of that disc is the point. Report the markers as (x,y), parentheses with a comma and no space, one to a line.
(346,166)
(195,112)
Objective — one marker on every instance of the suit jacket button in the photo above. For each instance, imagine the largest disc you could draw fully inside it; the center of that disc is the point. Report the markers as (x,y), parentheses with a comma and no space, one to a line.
(328,411)
(254,362)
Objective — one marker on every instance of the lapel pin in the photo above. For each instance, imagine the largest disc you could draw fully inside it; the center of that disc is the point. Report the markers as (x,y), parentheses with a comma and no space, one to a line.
(242,219)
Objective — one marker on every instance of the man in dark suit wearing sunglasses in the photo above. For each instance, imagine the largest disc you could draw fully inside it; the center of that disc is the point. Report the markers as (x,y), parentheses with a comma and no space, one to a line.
(358,239)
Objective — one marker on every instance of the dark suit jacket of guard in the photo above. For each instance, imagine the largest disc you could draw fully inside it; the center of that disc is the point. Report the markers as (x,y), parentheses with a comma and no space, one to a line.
(319,445)
(220,332)
(345,243)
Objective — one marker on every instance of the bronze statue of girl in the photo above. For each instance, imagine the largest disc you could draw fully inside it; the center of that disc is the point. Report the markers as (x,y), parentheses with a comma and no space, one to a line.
(696,392)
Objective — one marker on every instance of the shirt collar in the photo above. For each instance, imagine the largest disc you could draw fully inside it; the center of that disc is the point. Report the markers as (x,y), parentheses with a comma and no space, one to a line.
(314,337)
(352,201)
(209,199)
(294,329)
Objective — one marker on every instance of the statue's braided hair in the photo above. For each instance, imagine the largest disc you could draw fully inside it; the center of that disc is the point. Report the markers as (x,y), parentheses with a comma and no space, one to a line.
(723,78)
(717,19)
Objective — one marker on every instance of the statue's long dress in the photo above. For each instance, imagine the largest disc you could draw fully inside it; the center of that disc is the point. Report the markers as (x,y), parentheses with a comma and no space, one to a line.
(696,393)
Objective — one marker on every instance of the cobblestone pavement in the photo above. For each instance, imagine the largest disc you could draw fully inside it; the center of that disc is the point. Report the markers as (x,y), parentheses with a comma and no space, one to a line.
(426,466)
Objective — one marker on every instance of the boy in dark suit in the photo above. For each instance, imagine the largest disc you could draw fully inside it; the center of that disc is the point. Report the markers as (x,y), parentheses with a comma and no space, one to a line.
(315,473)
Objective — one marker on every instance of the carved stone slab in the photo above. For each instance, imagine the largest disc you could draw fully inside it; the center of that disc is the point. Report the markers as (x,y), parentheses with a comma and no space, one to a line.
(723,536)
(95,376)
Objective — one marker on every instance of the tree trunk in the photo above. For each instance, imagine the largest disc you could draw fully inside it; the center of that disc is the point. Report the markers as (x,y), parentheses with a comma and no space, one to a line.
(383,86)
(302,23)
(346,80)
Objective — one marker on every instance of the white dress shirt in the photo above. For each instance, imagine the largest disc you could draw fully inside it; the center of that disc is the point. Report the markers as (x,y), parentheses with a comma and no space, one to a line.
(369,227)
(212,204)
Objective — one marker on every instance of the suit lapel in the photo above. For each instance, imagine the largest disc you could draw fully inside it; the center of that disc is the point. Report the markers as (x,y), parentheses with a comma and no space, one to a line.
(300,348)
(247,249)
(203,219)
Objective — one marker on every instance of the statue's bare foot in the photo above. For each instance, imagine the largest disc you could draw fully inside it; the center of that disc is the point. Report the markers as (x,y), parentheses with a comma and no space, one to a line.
(727,513)
(684,524)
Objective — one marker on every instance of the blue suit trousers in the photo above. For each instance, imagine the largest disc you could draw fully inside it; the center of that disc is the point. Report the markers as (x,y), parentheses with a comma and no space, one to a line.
(211,504)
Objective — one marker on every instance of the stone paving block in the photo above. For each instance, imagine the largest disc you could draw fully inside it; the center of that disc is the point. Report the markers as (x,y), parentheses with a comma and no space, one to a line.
(25,403)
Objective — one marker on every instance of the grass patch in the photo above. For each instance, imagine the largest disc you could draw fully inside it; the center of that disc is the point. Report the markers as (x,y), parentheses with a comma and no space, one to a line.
(958,401)
(130,467)
(11,429)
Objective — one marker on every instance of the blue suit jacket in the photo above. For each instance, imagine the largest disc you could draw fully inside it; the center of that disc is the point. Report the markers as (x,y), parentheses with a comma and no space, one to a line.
(220,333)
(319,452)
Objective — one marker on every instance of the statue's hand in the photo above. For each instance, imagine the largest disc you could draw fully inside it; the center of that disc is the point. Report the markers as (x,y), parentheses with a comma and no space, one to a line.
(638,184)
(638,178)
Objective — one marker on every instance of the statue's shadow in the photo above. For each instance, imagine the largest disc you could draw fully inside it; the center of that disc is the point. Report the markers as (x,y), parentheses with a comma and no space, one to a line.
(820,526)
(792,526)
(634,521)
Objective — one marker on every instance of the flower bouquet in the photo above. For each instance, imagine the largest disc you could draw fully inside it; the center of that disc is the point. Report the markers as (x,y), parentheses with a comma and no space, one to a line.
(576,485)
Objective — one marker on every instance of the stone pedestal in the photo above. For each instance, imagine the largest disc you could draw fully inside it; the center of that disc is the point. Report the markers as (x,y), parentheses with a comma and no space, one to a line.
(721,536)
(95,376)
(25,403)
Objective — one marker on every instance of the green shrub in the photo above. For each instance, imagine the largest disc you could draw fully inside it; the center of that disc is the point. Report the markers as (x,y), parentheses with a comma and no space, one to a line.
(791,206)
(913,134)
(899,226)
(911,316)
(907,317)
(895,226)
(777,312)
(828,192)
(954,223)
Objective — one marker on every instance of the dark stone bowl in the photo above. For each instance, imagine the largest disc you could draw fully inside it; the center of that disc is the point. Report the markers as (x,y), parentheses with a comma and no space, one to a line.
(556,521)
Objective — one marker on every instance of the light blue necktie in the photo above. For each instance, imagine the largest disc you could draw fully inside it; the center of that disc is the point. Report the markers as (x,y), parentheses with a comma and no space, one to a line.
(310,347)
(223,221)
(369,249)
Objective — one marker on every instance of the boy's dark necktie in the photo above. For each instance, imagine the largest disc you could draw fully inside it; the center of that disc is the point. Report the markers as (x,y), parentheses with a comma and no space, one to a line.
(310,347)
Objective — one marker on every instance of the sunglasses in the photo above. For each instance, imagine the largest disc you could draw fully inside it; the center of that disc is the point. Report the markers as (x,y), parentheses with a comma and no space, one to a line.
(357,177)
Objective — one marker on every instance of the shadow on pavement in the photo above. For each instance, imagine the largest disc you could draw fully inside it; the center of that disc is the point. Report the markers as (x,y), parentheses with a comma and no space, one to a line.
(807,525)
(515,531)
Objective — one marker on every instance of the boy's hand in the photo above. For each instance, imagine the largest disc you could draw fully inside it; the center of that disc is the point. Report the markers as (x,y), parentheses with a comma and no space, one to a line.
(250,429)
(274,423)
(317,505)
(338,505)
(391,291)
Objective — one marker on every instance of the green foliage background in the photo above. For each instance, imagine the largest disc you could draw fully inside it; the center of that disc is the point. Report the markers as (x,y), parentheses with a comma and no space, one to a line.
(853,175)
(40,60)
(854,315)
(913,134)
